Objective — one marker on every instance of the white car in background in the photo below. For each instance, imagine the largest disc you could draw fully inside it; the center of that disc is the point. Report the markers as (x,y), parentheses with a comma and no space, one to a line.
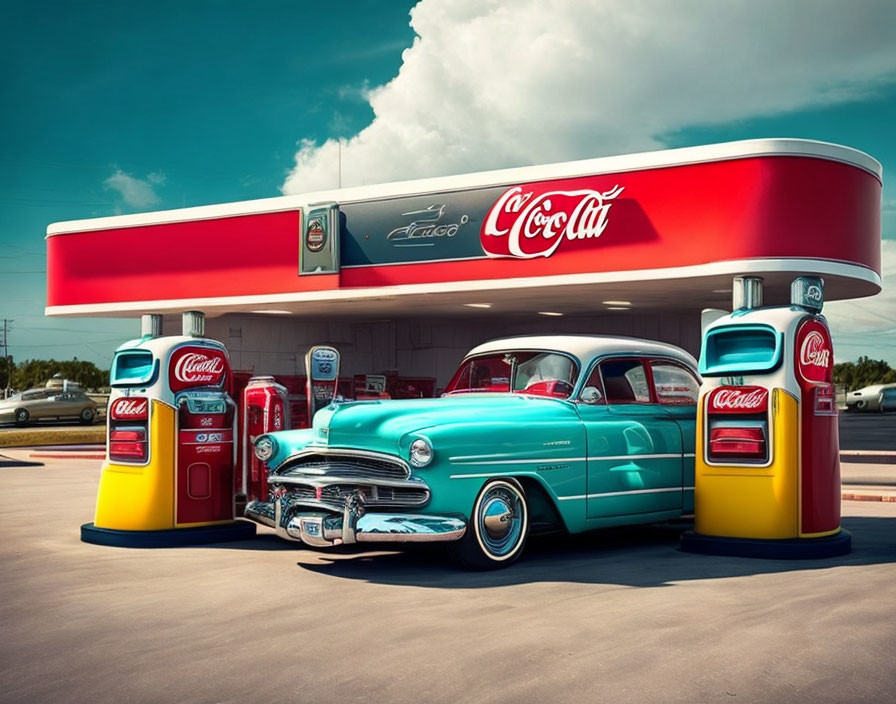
(878,397)
(48,403)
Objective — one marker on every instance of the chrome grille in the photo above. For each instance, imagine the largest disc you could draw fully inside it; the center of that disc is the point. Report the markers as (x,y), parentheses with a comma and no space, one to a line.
(346,465)
(375,496)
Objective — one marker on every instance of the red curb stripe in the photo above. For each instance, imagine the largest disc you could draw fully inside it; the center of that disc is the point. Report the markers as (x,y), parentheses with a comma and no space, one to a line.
(888,498)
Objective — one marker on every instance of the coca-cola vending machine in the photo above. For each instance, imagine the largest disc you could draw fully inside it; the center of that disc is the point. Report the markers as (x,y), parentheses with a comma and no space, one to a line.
(168,477)
(767,466)
(265,409)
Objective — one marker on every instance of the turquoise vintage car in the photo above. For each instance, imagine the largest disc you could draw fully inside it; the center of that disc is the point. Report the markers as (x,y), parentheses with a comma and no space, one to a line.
(570,432)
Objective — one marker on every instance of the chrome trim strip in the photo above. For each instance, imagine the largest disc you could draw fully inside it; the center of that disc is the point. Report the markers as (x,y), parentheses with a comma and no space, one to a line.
(327,450)
(319,481)
(661,456)
(524,461)
(326,530)
(620,493)
(520,473)
(554,460)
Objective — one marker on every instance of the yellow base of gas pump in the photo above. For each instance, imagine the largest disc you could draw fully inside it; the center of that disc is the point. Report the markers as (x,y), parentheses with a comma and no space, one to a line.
(746,511)
(136,504)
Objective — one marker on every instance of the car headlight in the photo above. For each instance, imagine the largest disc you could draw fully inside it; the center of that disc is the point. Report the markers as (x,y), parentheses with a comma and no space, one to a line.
(264,448)
(421,452)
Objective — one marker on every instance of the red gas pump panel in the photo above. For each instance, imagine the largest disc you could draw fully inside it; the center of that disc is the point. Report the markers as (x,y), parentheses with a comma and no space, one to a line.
(205,458)
(820,444)
(194,366)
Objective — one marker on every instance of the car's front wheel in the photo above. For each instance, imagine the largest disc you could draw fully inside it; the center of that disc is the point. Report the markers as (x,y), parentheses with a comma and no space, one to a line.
(498,528)
(22,416)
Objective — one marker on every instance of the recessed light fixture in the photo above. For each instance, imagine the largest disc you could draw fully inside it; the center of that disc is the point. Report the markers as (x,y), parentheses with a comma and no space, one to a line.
(478,305)
(272,312)
(617,303)
(617,308)
(548,312)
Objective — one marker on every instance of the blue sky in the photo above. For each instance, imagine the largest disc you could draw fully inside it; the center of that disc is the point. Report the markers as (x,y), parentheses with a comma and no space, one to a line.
(113,107)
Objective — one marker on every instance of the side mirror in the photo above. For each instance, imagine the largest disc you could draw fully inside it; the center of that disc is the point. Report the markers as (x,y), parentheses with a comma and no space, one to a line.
(591,395)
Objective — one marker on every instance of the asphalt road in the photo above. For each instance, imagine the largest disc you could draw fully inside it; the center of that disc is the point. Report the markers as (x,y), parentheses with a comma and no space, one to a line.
(613,617)
(867,431)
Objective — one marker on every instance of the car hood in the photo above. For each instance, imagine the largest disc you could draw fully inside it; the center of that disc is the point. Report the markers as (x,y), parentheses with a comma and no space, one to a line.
(379,425)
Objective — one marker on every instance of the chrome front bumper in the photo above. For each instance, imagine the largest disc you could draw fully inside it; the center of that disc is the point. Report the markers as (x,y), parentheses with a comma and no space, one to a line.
(354,525)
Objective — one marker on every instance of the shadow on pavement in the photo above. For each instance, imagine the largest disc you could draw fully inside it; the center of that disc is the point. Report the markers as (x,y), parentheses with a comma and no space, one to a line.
(637,557)
(10,462)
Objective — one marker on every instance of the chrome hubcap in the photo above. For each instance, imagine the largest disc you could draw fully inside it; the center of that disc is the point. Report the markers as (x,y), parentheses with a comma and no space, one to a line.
(500,520)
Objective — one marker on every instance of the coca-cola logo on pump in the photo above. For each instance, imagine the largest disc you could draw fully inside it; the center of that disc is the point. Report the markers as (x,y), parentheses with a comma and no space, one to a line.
(525,224)
(814,354)
(129,409)
(197,366)
(738,399)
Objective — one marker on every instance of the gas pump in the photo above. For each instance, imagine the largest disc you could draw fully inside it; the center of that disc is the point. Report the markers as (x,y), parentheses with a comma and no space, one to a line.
(265,410)
(767,480)
(171,452)
(322,368)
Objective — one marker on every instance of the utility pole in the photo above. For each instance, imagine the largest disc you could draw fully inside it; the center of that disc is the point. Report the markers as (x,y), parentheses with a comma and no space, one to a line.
(4,353)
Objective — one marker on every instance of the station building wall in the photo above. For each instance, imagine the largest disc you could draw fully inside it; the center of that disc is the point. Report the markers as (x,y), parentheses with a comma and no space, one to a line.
(414,346)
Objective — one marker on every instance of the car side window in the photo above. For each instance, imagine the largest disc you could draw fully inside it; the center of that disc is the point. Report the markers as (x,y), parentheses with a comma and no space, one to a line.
(674,385)
(624,381)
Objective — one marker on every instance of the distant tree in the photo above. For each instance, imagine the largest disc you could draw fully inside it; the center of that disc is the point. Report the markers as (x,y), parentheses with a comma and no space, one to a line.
(863,372)
(7,367)
(36,372)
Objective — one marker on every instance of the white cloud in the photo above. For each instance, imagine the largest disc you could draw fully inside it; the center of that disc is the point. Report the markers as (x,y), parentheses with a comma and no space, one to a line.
(135,192)
(867,326)
(488,84)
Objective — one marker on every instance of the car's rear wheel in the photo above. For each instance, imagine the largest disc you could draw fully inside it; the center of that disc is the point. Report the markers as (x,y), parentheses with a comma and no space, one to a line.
(86,416)
(498,528)
(22,416)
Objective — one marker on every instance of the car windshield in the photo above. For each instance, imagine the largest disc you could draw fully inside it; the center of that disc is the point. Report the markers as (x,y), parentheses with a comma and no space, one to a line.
(528,372)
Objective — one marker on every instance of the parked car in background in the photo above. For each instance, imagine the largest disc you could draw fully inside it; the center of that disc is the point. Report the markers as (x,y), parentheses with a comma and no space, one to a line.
(878,397)
(555,432)
(48,403)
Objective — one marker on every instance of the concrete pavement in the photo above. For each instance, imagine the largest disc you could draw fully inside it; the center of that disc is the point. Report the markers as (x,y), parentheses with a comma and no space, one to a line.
(615,616)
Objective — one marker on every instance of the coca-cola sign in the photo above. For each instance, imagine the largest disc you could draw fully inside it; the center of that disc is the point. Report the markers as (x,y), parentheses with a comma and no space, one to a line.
(814,354)
(525,224)
(127,408)
(197,366)
(738,399)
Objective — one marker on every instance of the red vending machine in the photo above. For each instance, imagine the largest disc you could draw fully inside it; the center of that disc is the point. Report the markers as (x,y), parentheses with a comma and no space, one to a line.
(265,409)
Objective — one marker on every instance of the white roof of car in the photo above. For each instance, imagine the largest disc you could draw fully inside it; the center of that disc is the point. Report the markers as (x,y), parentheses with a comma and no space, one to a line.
(586,347)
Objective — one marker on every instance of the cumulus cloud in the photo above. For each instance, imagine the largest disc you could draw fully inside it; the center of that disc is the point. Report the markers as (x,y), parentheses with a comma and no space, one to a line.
(135,192)
(489,84)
